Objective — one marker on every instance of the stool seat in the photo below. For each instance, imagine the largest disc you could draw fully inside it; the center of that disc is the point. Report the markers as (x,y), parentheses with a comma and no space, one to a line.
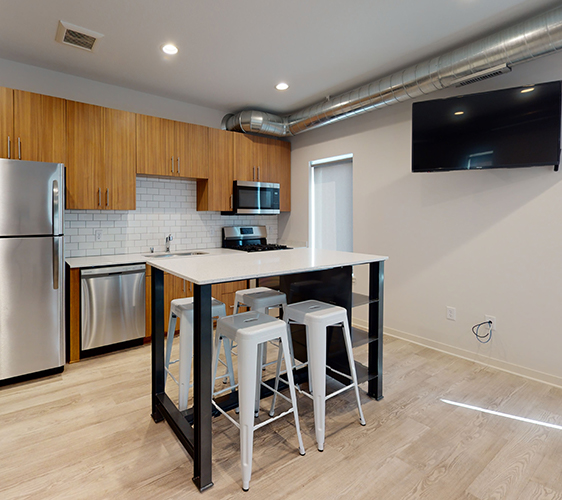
(317,317)
(183,309)
(249,330)
(314,312)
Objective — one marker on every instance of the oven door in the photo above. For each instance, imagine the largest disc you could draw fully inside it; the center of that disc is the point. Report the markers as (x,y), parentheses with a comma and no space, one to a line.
(256,197)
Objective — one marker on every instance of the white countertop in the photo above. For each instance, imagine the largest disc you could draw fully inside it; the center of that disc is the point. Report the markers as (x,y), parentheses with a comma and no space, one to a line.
(236,265)
(138,258)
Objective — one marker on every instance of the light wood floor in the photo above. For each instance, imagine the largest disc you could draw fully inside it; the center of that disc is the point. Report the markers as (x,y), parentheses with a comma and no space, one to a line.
(87,434)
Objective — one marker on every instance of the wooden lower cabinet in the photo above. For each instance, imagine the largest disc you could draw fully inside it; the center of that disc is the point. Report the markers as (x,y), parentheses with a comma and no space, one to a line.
(73,314)
(225,292)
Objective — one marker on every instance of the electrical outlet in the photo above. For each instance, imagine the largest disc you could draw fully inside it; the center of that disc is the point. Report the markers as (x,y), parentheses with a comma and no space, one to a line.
(494,322)
(98,233)
(451,313)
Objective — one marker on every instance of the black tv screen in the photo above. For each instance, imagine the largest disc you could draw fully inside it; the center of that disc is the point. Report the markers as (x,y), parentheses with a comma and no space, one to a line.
(518,127)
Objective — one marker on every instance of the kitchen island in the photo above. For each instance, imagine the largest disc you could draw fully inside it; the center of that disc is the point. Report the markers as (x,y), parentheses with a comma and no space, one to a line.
(203,273)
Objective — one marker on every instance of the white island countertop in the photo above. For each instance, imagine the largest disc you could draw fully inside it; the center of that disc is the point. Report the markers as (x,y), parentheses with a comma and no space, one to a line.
(237,265)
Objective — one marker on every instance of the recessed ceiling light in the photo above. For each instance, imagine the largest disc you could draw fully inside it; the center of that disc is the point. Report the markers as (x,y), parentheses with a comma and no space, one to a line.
(282,86)
(530,89)
(458,113)
(169,49)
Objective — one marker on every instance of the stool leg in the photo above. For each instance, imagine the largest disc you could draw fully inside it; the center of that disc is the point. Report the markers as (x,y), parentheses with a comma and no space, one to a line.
(247,367)
(258,379)
(316,340)
(276,386)
(169,342)
(349,349)
(229,365)
(286,353)
(228,355)
(186,354)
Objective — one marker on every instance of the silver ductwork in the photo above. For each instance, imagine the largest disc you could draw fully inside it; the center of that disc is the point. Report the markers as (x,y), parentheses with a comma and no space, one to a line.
(490,56)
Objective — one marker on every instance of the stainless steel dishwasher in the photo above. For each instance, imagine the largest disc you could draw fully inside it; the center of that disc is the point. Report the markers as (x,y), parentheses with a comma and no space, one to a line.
(112,305)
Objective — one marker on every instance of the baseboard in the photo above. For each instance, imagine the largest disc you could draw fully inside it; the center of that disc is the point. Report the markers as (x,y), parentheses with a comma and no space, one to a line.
(471,356)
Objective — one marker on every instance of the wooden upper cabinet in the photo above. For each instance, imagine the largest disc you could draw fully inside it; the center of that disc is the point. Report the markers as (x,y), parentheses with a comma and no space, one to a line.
(244,165)
(154,145)
(280,171)
(32,126)
(39,125)
(120,159)
(6,122)
(192,150)
(168,148)
(101,158)
(85,156)
(215,194)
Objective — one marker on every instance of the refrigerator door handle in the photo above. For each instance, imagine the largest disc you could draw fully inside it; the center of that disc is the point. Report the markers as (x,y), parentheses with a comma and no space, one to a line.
(56,207)
(56,260)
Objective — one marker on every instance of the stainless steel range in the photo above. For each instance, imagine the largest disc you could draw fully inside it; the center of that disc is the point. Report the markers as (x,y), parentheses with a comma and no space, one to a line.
(248,239)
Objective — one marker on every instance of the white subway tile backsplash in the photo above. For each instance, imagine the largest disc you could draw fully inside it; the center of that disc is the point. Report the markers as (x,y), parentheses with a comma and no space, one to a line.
(164,206)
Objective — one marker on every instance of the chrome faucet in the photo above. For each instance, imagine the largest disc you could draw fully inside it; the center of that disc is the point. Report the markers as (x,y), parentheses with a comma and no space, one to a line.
(168,239)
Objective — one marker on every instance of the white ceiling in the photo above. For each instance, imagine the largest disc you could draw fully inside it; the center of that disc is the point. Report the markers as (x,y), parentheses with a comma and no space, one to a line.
(233,52)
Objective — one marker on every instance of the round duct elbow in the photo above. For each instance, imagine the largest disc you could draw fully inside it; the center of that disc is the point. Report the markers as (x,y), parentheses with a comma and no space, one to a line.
(256,122)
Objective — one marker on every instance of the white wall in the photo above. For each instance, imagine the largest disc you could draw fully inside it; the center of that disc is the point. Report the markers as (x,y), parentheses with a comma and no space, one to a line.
(43,81)
(485,242)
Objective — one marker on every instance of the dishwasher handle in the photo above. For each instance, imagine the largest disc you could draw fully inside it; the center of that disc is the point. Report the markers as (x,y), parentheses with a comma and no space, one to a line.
(112,270)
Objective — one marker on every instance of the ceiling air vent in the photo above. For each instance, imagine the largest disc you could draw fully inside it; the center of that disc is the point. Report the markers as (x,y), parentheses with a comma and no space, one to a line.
(69,34)
(482,75)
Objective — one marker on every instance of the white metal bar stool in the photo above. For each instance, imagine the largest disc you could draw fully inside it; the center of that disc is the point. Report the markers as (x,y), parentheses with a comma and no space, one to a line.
(249,330)
(260,299)
(317,316)
(183,308)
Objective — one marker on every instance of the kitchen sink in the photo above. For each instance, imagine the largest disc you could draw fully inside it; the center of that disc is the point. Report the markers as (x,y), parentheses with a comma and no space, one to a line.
(174,254)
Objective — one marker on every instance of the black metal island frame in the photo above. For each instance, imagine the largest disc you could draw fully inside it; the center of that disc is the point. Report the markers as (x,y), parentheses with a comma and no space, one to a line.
(194,427)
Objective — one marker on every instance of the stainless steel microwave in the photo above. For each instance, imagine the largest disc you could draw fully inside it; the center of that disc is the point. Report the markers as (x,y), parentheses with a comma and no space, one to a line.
(255,198)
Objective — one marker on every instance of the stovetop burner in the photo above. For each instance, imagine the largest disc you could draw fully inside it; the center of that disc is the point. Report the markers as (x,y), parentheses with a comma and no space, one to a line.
(262,247)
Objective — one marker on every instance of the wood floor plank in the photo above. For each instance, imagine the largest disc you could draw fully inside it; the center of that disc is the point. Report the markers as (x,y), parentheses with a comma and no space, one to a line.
(87,434)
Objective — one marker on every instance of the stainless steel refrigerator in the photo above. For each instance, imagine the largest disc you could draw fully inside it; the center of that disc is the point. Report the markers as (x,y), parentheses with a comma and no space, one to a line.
(31,268)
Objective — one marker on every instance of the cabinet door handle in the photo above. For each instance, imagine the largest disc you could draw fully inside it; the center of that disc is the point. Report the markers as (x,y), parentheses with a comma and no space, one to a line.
(183,286)
(107,197)
(99,197)
(259,173)
(178,164)
(19,148)
(253,173)
(9,147)
(231,202)
(172,164)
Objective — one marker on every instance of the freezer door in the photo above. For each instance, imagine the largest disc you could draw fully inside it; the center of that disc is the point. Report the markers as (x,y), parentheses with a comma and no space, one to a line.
(31,198)
(31,305)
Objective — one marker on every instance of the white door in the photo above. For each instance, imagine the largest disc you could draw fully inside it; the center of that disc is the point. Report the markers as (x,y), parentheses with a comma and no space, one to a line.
(331,204)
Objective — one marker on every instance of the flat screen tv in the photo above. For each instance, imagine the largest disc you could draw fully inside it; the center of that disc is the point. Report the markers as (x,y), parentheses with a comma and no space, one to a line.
(518,127)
